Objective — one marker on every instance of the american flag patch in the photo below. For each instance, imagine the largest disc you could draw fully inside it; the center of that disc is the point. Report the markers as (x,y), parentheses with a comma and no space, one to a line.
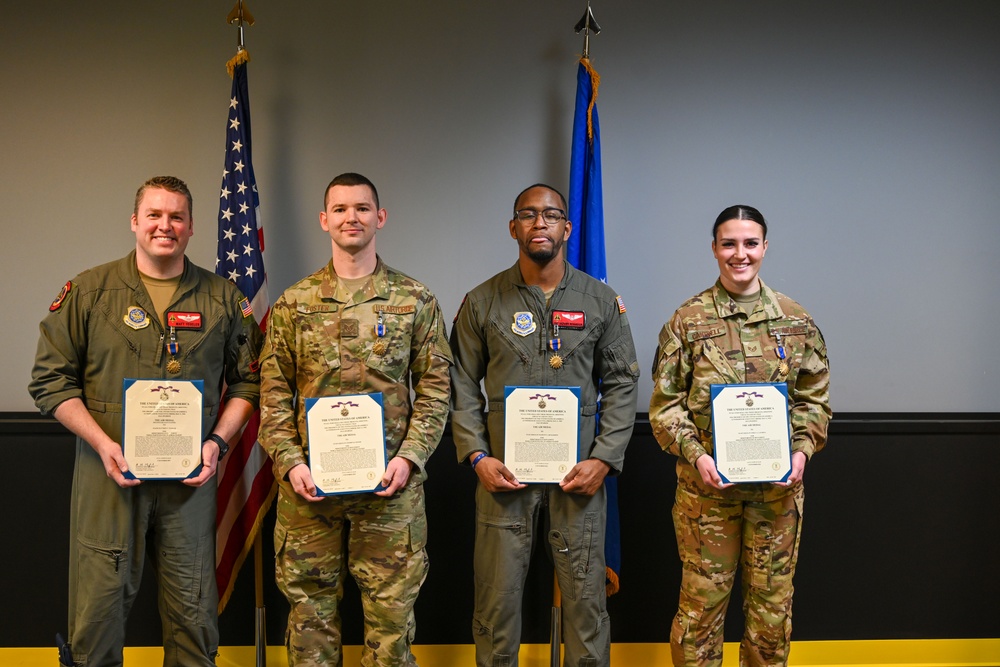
(621,303)
(248,309)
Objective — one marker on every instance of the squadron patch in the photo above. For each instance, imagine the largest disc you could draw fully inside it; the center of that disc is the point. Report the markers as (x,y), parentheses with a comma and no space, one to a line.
(63,293)
(136,318)
(460,306)
(524,323)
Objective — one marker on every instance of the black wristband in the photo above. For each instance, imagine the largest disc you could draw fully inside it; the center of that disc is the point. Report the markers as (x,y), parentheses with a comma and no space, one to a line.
(223,445)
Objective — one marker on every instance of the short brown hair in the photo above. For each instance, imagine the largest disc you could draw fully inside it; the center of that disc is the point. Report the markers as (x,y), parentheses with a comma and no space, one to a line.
(349,179)
(168,183)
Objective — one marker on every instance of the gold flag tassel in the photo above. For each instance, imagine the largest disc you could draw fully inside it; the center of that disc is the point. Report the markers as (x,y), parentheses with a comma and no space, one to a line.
(595,82)
(242,56)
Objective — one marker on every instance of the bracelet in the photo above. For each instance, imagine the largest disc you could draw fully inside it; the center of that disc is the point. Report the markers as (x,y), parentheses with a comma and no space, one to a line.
(479,457)
(223,445)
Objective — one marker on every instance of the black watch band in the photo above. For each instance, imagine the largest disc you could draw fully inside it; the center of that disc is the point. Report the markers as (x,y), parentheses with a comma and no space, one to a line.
(223,445)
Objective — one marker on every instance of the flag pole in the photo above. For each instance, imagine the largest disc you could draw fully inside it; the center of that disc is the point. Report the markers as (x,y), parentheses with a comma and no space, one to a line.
(260,618)
(586,25)
(240,14)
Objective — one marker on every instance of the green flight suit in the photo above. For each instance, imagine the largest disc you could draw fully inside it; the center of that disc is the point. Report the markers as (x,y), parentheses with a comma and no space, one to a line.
(86,348)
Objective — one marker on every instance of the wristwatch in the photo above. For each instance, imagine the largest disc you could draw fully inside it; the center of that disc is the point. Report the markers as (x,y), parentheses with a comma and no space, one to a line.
(223,445)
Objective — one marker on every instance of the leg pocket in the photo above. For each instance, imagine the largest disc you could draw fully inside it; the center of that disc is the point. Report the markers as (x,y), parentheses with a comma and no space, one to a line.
(99,577)
(573,556)
(687,528)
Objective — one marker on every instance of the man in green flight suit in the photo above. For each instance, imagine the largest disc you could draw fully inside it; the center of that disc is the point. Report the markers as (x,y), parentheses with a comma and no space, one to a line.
(542,323)
(152,314)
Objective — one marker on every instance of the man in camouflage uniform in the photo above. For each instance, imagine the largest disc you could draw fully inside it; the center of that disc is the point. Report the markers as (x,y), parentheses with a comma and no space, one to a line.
(542,323)
(151,314)
(738,331)
(355,326)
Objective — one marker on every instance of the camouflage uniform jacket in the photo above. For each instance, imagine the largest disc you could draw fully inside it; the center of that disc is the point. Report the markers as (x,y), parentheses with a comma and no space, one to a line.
(87,348)
(485,346)
(321,342)
(709,340)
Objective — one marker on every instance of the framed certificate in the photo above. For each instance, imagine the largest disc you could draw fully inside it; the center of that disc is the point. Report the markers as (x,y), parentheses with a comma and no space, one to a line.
(751,432)
(541,432)
(161,428)
(346,438)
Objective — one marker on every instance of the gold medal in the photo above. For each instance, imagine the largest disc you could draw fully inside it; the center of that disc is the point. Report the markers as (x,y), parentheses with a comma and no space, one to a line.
(783,368)
(555,361)
(379,347)
(173,366)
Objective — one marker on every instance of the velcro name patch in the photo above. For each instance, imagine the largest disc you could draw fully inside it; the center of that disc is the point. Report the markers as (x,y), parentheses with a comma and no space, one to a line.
(182,320)
(569,319)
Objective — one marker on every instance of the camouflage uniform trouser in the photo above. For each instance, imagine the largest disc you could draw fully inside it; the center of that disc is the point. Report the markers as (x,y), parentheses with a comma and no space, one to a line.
(505,534)
(713,537)
(384,540)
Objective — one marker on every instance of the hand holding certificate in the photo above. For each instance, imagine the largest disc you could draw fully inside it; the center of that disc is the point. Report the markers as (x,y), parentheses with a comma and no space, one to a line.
(346,443)
(541,432)
(751,433)
(161,428)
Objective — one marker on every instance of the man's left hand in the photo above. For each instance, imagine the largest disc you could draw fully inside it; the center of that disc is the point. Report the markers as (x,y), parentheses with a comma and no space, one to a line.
(396,474)
(586,477)
(209,464)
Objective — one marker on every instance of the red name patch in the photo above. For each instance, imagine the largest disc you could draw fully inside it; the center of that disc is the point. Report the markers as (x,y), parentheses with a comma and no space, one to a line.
(569,319)
(184,320)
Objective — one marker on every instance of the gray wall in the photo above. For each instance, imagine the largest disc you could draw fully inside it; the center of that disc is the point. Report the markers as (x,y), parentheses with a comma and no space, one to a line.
(865,131)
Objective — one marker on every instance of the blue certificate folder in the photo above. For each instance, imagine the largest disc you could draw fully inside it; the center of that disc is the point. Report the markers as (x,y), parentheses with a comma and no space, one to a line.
(199,385)
(375,396)
(751,390)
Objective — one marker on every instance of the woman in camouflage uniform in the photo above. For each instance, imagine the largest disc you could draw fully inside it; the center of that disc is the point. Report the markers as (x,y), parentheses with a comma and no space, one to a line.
(738,331)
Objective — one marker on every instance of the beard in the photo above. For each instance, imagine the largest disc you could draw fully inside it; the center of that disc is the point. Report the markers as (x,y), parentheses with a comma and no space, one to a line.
(543,254)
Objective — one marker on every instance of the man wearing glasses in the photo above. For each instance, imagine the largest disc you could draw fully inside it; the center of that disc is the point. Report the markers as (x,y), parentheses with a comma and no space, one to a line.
(542,323)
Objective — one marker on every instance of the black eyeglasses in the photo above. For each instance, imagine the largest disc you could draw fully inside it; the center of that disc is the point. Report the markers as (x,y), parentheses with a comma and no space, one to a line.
(551,216)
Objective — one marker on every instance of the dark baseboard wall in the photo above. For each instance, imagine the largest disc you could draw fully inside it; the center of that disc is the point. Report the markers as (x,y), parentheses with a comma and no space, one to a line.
(899,541)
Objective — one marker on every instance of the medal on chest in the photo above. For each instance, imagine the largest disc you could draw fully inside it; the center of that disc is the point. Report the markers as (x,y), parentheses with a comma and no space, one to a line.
(380,347)
(556,360)
(173,347)
(783,364)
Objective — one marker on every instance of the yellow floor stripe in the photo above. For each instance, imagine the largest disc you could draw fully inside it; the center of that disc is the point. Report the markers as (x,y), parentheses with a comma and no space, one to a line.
(882,653)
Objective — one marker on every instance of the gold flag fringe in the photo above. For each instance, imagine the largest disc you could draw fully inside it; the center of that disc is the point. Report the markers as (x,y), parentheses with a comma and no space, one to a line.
(595,82)
(242,56)
(612,586)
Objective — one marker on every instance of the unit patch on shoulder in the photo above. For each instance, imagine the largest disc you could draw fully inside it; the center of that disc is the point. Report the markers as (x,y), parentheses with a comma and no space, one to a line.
(184,320)
(460,306)
(63,293)
(569,319)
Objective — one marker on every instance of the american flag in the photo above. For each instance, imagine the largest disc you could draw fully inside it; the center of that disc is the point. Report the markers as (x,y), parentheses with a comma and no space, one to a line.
(246,480)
